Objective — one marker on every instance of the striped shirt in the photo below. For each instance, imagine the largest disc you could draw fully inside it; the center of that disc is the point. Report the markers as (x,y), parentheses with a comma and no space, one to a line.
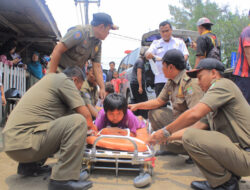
(242,68)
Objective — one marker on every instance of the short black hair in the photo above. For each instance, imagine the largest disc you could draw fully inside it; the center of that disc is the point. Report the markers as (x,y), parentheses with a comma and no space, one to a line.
(9,45)
(115,101)
(74,71)
(109,88)
(111,62)
(174,57)
(164,23)
(115,71)
(90,66)
(207,26)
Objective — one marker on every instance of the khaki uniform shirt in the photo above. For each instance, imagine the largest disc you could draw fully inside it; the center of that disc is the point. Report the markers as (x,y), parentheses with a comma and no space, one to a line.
(183,92)
(82,46)
(54,96)
(230,111)
(89,93)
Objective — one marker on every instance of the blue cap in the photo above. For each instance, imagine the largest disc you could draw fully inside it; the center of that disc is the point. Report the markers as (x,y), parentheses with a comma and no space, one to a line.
(103,18)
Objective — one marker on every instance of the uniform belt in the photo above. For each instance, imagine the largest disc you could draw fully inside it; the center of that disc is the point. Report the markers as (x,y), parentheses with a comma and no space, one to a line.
(247,149)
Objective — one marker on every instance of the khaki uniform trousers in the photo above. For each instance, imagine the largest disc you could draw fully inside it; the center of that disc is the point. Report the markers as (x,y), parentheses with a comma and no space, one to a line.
(159,118)
(216,155)
(66,135)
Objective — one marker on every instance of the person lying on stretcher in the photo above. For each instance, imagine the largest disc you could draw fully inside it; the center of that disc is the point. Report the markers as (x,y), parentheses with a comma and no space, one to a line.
(117,114)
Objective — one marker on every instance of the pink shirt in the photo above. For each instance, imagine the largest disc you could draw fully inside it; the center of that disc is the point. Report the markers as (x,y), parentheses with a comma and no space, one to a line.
(129,121)
(5,61)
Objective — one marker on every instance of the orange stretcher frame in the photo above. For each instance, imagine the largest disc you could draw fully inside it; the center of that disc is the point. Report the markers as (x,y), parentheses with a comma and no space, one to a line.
(140,139)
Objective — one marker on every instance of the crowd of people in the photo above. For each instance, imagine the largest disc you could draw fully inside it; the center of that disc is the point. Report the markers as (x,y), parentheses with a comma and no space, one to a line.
(35,65)
(208,118)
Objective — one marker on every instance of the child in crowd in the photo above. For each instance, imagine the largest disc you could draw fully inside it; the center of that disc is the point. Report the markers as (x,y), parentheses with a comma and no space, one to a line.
(116,114)
(8,54)
(116,82)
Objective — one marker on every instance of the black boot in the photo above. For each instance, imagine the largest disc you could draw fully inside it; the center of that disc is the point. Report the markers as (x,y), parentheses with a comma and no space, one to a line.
(189,160)
(231,184)
(32,169)
(69,185)
(164,153)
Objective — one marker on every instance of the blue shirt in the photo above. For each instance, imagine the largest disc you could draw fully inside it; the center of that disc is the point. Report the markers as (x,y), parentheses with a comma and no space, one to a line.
(35,68)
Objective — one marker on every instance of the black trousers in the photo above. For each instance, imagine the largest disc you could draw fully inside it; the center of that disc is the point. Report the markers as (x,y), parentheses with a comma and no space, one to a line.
(139,98)
(244,85)
(158,88)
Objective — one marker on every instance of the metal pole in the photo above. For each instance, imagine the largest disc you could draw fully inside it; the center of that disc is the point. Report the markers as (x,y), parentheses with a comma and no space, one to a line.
(80,6)
(86,10)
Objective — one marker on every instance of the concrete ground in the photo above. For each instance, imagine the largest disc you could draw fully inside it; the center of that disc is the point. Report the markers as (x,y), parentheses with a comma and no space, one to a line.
(170,172)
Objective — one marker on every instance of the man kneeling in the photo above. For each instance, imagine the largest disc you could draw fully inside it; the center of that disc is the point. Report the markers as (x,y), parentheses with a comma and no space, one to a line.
(41,124)
(222,154)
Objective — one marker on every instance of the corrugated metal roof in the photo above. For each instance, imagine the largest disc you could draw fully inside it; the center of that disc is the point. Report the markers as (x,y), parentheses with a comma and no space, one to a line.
(28,21)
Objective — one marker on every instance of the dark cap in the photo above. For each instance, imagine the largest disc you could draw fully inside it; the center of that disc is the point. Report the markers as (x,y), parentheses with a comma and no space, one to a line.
(35,52)
(103,18)
(208,64)
(174,57)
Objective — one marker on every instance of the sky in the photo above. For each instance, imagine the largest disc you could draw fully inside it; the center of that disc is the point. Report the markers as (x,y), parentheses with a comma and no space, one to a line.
(134,18)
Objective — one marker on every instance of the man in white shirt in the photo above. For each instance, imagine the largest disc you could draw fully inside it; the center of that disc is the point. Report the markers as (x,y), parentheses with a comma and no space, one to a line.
(159,47)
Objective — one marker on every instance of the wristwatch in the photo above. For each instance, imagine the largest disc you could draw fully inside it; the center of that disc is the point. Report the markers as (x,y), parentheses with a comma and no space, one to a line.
(166,133)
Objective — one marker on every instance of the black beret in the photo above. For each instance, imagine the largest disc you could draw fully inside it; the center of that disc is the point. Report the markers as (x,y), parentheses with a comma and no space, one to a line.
(174,57)
(103,18)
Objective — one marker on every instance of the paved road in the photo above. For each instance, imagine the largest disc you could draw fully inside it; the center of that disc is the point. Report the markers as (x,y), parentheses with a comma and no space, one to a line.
(170,173)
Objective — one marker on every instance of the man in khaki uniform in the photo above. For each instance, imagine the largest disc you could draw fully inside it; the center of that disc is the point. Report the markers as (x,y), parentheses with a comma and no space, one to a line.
(222,154)
(89,91)
(180,89)
(41,125)
(83,43)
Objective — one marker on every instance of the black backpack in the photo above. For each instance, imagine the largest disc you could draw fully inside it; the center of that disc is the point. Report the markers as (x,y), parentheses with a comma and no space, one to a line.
(215,51)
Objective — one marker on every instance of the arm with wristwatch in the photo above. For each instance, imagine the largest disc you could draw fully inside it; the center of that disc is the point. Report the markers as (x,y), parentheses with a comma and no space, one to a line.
(175,130)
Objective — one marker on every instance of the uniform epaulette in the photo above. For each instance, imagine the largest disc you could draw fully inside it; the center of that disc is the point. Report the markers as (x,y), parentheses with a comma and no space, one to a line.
(186,78)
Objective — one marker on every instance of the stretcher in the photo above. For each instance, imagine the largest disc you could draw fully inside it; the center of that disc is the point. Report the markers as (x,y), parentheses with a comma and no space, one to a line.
(128,153)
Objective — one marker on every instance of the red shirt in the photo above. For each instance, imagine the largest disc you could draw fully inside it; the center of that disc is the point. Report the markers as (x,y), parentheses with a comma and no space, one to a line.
(242,68)
(116,83)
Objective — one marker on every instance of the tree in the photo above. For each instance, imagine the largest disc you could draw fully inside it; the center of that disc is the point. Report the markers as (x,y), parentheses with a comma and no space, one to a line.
(227,25)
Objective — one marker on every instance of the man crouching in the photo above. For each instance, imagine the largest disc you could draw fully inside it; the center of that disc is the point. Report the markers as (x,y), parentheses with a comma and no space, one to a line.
(223,153)
(42,124)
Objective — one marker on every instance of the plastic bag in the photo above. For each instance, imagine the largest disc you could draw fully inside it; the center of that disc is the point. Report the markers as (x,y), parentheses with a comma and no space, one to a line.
(154,67)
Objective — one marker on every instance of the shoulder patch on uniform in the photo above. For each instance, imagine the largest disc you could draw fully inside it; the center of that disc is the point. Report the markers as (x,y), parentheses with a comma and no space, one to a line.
(190,90)
(96,48)
(77,35)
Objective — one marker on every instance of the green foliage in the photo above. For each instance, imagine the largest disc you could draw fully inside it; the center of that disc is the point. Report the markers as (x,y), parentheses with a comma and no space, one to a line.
(227,25)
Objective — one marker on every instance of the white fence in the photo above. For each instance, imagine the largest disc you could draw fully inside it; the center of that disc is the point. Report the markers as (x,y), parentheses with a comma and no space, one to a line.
(13,77)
